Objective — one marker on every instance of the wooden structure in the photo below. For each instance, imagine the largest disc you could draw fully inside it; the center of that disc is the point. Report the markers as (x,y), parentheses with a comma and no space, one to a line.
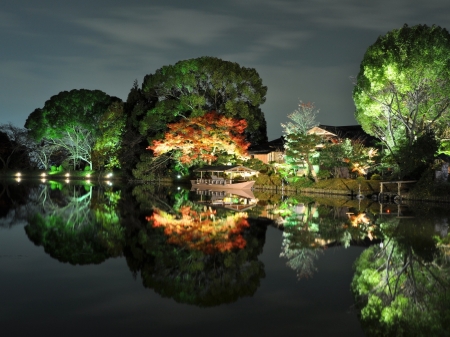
(236,200)
(389,195)
(224,177)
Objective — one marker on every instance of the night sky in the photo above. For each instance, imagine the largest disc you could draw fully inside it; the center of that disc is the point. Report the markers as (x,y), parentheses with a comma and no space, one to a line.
(303,50)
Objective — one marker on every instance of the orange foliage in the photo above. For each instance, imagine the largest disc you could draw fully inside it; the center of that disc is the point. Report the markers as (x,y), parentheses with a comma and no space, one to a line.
(201,230)
(201,137)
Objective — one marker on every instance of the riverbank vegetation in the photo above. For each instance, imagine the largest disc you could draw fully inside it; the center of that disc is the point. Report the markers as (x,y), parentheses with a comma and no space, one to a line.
(207,111)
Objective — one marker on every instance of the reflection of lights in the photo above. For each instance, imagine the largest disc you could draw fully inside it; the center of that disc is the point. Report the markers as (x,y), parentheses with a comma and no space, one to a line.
(178,188)
(178,176)
(88,181)
(361,218)
(109,183)
(43,180)
(67,181)
(18,179)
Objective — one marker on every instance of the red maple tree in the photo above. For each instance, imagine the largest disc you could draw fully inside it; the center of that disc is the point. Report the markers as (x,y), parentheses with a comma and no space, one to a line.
(201,138)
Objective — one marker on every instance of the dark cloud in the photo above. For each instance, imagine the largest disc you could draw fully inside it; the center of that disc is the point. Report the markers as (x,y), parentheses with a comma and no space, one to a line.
(304,50)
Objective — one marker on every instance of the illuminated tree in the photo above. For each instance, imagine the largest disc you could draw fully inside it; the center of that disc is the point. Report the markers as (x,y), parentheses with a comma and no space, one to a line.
(299,149)
(303,119)
(108,144)
(299,144)
(203,138)
(403,86)
(192,87)
(70,121)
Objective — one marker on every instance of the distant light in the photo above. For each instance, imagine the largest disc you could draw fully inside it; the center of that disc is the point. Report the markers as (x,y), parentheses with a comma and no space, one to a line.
(178,188)
(18,174)
(88,175)
(67,175)
(43,174)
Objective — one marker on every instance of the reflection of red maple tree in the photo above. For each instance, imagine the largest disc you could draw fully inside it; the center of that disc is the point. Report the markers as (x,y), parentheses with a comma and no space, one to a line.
(202,137)
(201,230)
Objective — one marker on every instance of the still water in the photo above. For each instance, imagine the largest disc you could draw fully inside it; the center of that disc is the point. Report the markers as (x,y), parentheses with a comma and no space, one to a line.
(82,259)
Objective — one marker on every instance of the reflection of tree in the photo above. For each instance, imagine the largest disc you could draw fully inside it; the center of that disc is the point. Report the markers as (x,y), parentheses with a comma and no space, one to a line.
(13,203)
(195,255)
(76,224)
(300,246)
(202,230)
(310,228)
(193,276)
(402,285)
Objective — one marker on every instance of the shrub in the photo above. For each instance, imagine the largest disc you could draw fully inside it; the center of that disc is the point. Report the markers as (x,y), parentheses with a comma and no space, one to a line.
(323,174)
(375,177)
(360,179)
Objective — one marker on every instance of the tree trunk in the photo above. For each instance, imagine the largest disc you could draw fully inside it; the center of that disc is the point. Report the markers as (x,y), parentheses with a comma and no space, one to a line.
(311,169)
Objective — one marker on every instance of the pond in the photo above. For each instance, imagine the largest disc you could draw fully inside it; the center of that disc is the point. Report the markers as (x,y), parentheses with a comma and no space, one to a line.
(101,259)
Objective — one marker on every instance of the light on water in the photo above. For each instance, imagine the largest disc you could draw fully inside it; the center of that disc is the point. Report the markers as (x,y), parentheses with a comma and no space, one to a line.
(154,260)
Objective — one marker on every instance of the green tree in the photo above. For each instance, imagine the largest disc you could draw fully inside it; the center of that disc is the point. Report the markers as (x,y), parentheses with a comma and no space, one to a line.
(300,145)
(403,86)
(190,88)
(70,120)
(109,142)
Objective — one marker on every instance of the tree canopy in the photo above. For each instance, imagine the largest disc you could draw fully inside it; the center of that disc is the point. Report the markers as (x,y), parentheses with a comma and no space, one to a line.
(403,86)
(300,144)
(202,138)
(70,119)
(190,88)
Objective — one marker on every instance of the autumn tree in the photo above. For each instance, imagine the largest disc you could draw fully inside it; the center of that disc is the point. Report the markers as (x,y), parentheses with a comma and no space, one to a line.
(403,86)
(192,87)
(203,139)
(70,120)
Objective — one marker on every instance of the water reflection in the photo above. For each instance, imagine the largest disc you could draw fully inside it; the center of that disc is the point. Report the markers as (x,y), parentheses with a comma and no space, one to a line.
(193,253)
(74,223)
(205,250)
(310,227)
(401,285)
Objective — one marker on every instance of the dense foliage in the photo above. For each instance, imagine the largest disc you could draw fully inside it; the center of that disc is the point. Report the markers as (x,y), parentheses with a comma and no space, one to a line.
(203,138)
(190,88)
(70,120)
(403,86)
